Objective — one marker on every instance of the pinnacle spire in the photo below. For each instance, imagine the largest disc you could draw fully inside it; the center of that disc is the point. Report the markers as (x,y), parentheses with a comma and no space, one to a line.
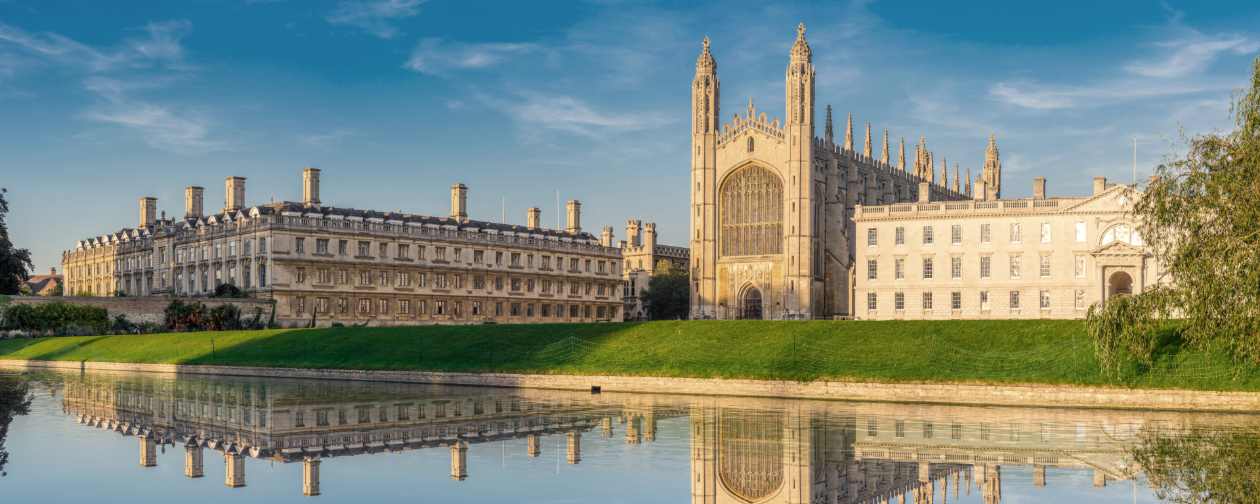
(884,153)
(957,180)
(705,61)
(800,49)
(866,151)
(944,172)
(968,188)
(829,133)
(848,132)
(901,156)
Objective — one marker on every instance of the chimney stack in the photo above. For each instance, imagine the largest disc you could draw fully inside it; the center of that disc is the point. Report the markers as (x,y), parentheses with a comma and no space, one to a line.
(234,199)
(1100,185)
(925,192)
(459,202)
(1039,188)
(606,237)
(574,209)
(649,236)
(194,197)
(632,232)
(533,218)
(148,211)
(310,187)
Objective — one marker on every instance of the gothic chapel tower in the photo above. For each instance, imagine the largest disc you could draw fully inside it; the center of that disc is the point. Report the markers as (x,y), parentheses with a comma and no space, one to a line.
(704,125)
(804,211)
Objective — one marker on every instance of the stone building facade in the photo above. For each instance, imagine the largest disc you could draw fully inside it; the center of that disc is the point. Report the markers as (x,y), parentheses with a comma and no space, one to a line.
(642,257)
(329,264)
(772,204)
(1039,257)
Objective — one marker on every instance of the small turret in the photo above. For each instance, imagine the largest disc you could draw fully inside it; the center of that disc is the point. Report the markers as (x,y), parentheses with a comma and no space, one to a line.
(828,132)
(957,183)
(848,134)
(901,155)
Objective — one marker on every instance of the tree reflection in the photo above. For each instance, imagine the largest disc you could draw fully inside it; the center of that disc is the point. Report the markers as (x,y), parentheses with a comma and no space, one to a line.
(1201,465)
(15,399)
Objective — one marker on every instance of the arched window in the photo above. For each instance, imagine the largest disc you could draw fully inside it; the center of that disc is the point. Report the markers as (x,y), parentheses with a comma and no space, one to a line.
(751,213)
(1123,233)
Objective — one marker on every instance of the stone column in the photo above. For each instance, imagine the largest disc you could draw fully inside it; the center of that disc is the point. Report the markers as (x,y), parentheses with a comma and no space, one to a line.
(1039,475)
(649,427)
(310,476)
(459,462)
(533,446)
(606,425)
(925,472)
(148,451)
(194,461)
(574,452)
(235,474)
(991,492)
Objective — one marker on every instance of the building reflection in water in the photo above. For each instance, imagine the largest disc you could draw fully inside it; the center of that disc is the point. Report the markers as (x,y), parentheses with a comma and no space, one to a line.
(741,450)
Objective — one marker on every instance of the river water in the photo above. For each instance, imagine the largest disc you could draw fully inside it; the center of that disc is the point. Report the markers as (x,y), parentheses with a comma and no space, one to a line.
(159,438)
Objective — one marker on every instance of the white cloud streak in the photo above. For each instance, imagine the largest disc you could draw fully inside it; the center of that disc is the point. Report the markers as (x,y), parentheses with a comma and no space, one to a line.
(377,17)
(434,56)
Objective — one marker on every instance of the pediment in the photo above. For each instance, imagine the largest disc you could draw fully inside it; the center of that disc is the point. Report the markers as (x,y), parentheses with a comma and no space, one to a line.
(1117,198)
(1119,248)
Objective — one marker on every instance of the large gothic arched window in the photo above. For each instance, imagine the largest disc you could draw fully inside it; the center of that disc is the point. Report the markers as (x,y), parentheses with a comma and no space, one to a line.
(751,213)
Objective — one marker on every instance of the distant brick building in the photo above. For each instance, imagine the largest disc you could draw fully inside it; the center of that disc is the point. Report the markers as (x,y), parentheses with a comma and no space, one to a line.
(45,285)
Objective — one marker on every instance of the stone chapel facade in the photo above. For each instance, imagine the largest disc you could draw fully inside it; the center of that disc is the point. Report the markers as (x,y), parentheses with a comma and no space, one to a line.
(772,205)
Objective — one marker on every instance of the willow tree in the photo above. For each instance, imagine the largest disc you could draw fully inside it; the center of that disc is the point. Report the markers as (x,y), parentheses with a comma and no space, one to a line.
(1201,216)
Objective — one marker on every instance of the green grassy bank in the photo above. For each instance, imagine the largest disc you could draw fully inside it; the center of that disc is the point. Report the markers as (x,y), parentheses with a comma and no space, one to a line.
(1000,351)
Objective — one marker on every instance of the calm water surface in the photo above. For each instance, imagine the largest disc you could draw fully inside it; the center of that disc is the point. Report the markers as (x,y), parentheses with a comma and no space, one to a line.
(151,438)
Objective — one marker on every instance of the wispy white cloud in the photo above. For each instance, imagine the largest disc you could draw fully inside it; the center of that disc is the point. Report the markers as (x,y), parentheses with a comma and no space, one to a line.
(434,56)
(1041,96)
(377,17)
(120,76)
(573,115)
(1188,56)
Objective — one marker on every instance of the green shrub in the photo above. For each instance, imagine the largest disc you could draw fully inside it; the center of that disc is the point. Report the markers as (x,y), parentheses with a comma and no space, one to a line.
(180,316)
(225,317)
(56,318)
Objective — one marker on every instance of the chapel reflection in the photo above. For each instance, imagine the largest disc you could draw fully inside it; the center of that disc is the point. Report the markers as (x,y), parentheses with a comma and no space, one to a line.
(742,450)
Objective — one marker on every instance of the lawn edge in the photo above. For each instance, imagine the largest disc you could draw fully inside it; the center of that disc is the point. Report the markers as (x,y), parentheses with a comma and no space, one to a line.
(1037,395)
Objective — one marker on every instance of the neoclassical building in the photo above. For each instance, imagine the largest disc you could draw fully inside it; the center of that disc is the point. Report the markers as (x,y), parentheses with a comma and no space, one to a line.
(1038,257)
(772,204)
(324,264)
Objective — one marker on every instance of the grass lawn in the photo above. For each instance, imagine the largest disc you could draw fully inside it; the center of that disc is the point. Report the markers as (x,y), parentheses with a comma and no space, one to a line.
(998,351)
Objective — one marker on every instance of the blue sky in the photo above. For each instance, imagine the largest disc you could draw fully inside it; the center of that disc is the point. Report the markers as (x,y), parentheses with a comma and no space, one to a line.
(104,102)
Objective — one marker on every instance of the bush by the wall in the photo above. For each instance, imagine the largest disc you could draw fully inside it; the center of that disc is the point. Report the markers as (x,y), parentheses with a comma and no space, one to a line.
(181,316)
(56,318)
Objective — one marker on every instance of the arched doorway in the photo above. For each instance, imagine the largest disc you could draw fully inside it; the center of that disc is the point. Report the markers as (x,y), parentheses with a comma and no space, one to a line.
(750,305)
(1120,284)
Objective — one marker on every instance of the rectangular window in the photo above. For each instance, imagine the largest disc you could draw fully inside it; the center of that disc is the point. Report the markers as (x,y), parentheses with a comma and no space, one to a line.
(901,235)
(299,245)
(871,302)
(986,233)
(955,267)
(342,246)
(1045,300)
(1045,232)
(1014,300)
(872,269)
(1079,266)
(872,235)
(1079,299)
(365,249)
(1045,266)
(984,300)
(1015,266)
(955,234)
(404,251)
(927,268)
(300,276)
(321,246)
(899,301)
(384,250)
(955,300)
(899,268)
(1080,232)
(985,263)
(927,235)
(927,300)
(1017,233)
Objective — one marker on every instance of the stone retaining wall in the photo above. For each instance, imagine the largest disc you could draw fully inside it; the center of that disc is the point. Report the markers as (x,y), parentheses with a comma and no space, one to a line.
(149,308)
(936,393)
